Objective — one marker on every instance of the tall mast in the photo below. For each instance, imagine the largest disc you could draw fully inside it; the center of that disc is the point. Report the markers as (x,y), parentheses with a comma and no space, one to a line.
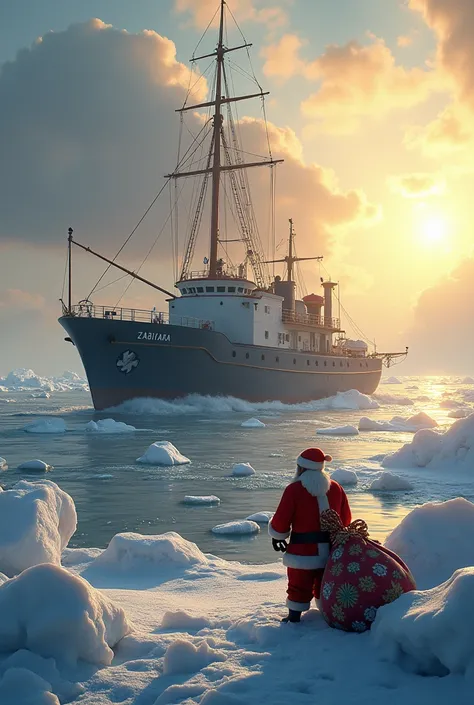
(290,259)
(69,241)
(216,164)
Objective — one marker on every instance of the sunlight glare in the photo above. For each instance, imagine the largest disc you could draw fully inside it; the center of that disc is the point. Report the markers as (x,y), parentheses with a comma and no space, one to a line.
(433,230)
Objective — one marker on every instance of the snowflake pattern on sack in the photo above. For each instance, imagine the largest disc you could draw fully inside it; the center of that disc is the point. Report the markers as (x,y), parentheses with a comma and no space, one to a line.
(355,549)
(338,612)
(347,595)
(327,589)
(372,554)
(353,567)
(370,614)
(359,626)
(367,583)
(336,569)
(337,553)
(393,592)
(396,575)
(380,569)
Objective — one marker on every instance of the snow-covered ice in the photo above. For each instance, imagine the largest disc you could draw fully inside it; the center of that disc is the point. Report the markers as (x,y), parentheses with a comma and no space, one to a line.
(109,426)
(201,499)
(459,413)
(467,380)
(387,482)
(53,613)
(344,477)
(392,380)
(35,466)
(347,430)
(162,453)
(37,519)
(41,395)
(430,631)
(435,539)
(242,470)
(393,399)
(260,517)
(243,526)
(46,425)
(451,450)
(399,423)
(3,464)
(253,423)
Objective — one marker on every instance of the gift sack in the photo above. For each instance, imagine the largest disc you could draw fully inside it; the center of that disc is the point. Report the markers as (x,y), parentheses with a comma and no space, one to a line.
(360,575)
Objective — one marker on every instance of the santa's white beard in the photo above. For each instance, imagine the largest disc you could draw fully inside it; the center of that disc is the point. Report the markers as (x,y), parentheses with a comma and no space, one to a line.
(316,482)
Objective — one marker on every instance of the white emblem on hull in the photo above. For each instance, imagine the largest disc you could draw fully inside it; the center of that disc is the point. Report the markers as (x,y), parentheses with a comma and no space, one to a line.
(162,337)
(127,362)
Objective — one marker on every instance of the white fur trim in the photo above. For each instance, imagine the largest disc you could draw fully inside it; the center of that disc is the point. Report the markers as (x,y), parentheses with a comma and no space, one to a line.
(290,560)
(316,483)
(275,534)
(309,464)
(298,606)
(323,503)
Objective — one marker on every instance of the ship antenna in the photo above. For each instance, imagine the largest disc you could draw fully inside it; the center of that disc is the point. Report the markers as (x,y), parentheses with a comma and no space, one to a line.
(69,248)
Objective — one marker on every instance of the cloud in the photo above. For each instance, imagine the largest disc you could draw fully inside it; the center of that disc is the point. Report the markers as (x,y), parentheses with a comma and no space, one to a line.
(417,185)
(449,302)
(450,133)
(356,81)
(88,128)
(14,299)
(405,40)
(202,11)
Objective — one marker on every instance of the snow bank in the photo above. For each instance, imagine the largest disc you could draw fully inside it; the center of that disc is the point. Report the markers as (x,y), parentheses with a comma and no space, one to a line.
(242,470)
(37,519)
(51,425)
(183,656)
(253,423)
(387,482)
(452,450)
(19,686)
(53,613)
(130,552)
(163,453)
(344,477)
(392,380)
(430,631)
(338,431)
(37,671)
(35,466)
(243,526)
(435,540)
(3,464)
(260,517)
(399,423)
(108,426)
(201,499)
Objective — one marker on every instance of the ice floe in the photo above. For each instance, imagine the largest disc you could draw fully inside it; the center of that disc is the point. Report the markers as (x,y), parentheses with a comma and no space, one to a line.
(260,517)
(467,380)
(37,519)
(242,470)
(399,423)
(56,614)
(345,477)
(46,425)
(347,430)
(253,423)
(388,482)
(3,464)
(201,499)
(459,413)
(392,380)
(162,453)
(35,466)
(243,526)
(109,426)
(23,379)
(41,395)
(451,450)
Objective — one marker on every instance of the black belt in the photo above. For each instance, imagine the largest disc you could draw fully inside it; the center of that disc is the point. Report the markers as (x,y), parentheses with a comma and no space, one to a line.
(310,537)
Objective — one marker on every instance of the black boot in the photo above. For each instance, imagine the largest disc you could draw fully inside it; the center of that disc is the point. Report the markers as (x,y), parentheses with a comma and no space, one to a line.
(293,616)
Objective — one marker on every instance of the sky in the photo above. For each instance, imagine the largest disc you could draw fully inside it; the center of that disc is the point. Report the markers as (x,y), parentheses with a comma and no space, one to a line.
(371,106)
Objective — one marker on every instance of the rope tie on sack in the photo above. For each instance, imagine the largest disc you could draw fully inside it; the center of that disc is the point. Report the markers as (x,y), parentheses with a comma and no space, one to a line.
(331,522)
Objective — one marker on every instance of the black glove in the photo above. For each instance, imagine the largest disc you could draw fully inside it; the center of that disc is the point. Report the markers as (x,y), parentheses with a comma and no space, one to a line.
(279,545)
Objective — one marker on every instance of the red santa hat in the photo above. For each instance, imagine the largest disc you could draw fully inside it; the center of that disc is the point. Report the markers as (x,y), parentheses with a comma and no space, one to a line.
(313,459)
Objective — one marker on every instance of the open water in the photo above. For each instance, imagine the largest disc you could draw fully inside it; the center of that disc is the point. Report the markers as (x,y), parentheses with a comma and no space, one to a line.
(113,493)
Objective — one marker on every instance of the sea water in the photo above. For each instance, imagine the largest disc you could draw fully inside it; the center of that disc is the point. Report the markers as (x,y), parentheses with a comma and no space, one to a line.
(114,494)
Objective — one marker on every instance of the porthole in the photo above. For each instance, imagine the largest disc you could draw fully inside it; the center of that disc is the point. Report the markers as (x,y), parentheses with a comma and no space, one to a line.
(294,360)
(263,357)
(341,364)
(307,362)
(316,363)
(277,359)
(234,353)
(347,364)
(333,364)
(360,364)
(222,303)
(325,363)
(366,364)
(247,355)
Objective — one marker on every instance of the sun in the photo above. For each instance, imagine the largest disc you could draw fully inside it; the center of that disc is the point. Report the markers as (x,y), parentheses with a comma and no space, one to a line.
(433,230)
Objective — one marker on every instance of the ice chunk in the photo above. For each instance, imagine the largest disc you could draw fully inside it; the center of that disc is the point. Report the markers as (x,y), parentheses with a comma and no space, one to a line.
(459,413)
(353,399)
(163,453)
(19,686)
(46,668)
(53,613)
(3,464)
(399,423)
(387,482)
(182,656)
(46,425)
(430,631)
(130,552)
(467,380)
(37,519)
(338,431)
(242,470)
(109,426)
(201,499)
(41,395)
(260,517)
(435,540)
(344,477)
(35,466)
(244,526)
(450,404)
(253,423)
(25,378)
(453,449)
(392,380)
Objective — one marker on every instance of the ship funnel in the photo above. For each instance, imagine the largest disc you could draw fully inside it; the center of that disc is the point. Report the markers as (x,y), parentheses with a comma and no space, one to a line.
(286,289)
(328,287)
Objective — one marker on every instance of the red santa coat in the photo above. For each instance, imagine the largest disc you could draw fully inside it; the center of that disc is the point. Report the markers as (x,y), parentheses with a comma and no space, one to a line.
(299,512)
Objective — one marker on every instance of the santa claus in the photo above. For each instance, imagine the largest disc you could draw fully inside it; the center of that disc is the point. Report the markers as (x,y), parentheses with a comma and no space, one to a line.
(298,517)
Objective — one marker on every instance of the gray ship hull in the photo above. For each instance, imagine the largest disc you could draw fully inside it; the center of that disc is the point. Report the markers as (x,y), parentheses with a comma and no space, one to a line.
(125,360)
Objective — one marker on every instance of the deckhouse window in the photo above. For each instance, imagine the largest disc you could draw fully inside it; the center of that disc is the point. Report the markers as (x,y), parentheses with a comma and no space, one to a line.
(210,289)
(192,290)
(184,291)
(267,309)
(240,290)
(220,289)
(200,289)
(266,335)
(231,289)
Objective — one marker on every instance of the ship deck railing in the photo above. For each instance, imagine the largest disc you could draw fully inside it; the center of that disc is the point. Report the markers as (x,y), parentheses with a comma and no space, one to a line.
(310,319)
(139,316)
